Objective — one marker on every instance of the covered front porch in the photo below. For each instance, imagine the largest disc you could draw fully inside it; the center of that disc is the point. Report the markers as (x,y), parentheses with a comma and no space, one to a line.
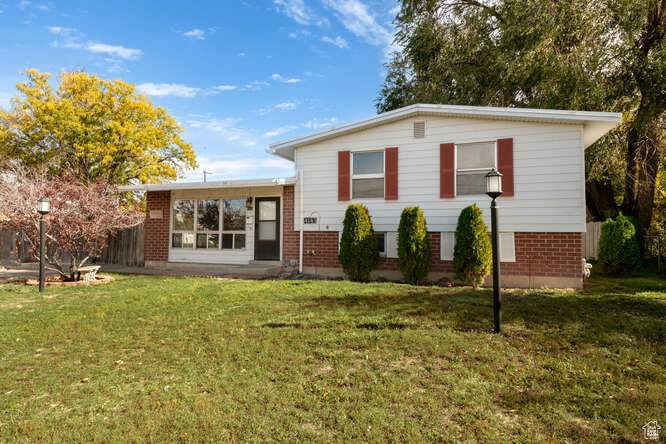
(214,224)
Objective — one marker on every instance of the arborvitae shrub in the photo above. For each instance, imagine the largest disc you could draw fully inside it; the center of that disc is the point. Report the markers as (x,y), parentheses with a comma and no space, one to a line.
(619,249)
(472,255)
(414,254)
(359,252)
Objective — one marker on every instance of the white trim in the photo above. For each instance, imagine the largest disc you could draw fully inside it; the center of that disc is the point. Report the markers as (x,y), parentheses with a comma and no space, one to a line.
(596,123)
(245,183)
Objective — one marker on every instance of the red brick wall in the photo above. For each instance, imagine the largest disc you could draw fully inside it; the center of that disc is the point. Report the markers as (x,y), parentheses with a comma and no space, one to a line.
(537,254)
(156,241)
(547,254)
(289,236)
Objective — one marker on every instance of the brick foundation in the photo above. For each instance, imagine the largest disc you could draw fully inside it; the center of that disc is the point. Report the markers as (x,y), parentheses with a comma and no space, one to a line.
(156,240)
(542,259)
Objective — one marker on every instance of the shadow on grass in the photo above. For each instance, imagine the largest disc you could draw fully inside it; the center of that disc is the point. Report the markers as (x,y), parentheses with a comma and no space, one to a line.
(588,315)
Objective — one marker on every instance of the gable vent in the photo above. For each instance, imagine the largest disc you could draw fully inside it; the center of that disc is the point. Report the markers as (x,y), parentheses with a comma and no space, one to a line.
(419,130)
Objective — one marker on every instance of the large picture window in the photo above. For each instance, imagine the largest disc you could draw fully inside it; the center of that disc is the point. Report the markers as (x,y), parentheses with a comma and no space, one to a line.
(473,161)
(197,224)
(368,174)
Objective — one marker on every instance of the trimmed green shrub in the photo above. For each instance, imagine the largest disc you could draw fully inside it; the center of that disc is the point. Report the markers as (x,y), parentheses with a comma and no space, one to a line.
(472,255)
(619,250)
(414,254)
(359,252)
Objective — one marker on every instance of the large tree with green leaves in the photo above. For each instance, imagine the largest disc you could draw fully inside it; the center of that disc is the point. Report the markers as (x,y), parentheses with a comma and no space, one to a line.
(580,54)
(93,128)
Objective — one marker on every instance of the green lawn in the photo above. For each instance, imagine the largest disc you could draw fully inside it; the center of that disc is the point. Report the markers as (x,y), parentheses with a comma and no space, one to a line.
(188,359)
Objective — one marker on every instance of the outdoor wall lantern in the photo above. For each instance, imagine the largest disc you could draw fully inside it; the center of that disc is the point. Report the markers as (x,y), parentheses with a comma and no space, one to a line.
(43,208)
(248,203)
(494,190)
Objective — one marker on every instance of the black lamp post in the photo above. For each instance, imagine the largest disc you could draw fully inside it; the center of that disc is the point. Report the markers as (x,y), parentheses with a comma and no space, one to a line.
(494,190)
(43,208)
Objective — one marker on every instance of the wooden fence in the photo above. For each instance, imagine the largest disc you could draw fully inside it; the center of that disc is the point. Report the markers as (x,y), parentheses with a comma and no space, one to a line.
(126,248)
(591,240)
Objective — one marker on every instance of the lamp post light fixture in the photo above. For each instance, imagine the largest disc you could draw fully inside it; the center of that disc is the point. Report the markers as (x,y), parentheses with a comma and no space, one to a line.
(494,190)
(43,208)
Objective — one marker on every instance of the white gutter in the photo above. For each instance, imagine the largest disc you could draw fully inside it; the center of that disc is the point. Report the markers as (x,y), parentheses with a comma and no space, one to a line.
(242,183)
(300,205)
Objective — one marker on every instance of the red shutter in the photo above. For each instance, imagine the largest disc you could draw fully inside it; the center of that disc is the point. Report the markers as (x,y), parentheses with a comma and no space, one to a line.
(447,172)
(391,174)
(343,175)
(505,165)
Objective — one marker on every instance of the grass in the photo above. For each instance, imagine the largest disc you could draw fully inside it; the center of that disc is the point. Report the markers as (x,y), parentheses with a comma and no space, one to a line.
(186,359)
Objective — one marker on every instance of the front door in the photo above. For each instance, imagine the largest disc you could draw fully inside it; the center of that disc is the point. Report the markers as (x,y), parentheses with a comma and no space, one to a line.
(267,229)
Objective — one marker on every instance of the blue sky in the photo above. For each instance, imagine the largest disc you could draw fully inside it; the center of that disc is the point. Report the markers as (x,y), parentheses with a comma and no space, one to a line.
(237,75)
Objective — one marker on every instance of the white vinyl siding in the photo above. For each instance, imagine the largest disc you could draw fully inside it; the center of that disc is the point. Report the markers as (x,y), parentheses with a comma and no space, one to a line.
(549,177)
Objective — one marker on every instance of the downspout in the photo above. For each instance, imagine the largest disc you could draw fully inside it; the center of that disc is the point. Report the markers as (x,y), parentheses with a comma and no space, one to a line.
(300,204)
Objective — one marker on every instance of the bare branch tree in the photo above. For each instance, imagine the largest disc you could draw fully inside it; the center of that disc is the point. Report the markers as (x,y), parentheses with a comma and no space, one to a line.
(82,216)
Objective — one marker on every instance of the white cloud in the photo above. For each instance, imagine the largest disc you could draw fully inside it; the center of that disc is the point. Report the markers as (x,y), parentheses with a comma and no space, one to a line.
(113,50)
(297,11)
(71,38)
(338,41)
(255,85)
(225,87)
(195,34)
(60,30)
(280,78)
(281,130)
(288,105)
(241,54)
(320,123)
(355,16)
(225,168)
(23,4)
(228,128)
(167,89)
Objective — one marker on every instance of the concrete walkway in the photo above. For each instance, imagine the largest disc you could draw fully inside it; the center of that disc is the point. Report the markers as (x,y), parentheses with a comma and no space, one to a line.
(18,272)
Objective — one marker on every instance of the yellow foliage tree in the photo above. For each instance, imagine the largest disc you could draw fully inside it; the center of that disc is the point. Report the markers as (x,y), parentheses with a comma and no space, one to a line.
(96,128)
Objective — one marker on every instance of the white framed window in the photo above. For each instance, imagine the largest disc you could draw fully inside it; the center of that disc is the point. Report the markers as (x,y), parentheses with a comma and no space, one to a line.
(367,174)
(507,247)
(233,224)
(182,233)
(446,245)
(197,224)
(473,162)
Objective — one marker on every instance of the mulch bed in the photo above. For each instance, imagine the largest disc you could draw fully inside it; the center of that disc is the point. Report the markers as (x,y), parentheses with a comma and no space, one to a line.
(58,283)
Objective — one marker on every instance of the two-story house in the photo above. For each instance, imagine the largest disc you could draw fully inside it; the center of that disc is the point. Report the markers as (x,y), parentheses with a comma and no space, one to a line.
(433,156)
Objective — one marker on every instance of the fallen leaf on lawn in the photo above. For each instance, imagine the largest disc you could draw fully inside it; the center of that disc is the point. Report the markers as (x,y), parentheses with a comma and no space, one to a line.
(513,410)
(325,394)
(84,380)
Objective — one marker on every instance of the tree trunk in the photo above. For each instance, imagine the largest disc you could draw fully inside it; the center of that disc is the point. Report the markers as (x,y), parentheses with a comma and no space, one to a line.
(646,182)
(600,199)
